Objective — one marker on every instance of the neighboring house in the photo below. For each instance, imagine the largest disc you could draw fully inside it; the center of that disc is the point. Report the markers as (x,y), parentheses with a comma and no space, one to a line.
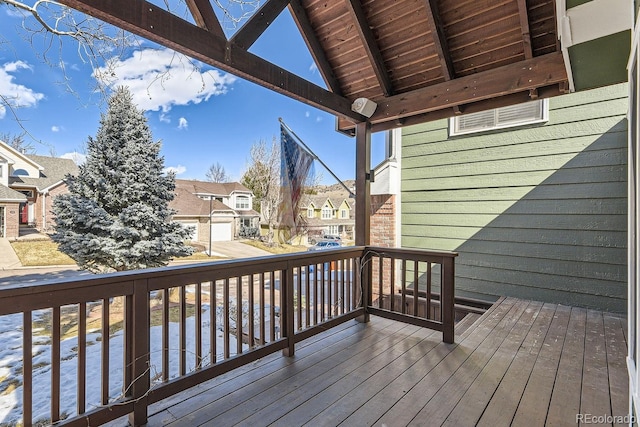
(532,197)
(28,184)
(221,209)
(328,213)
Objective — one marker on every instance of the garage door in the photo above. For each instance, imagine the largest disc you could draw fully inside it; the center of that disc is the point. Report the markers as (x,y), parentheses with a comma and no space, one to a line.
(221,232)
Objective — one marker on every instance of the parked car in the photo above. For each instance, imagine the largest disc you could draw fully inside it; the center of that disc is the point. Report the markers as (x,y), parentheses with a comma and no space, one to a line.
(325,244)
(331,237)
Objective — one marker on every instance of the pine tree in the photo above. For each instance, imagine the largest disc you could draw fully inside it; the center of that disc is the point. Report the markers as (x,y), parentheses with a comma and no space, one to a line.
(116,215)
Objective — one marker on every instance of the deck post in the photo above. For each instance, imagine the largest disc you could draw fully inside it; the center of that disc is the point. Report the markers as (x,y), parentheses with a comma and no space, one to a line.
(363,209)
(447,292)
(287,313)
(139,352)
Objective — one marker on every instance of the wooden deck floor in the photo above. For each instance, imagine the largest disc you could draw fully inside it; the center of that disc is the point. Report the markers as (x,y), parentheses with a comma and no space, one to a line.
(522,363)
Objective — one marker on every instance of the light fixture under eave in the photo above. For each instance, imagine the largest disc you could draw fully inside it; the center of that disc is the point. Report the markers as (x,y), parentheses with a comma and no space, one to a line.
(364,106)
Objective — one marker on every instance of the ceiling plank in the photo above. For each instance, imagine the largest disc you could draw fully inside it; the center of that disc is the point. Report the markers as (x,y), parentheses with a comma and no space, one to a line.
(151,22)
(315,48)
(524,25)
(370,46)
(205,17)
(522,76)
(258,23)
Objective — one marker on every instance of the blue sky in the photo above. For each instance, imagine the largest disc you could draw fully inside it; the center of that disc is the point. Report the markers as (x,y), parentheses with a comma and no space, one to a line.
(201,118)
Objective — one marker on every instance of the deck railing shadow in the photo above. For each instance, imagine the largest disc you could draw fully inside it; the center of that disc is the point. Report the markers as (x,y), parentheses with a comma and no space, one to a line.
(146,335)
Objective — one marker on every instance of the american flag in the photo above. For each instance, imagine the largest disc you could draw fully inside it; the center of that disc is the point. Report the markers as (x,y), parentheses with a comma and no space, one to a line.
(295,165)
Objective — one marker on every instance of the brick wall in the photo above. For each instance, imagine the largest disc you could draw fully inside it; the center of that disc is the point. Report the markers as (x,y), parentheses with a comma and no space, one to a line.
(383,221)
(12,212)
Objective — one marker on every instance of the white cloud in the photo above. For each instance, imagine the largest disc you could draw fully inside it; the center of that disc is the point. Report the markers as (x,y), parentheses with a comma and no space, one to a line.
(183,123)
(178,170)
(160,79)
(16,95)
(78,158)
(55,128)
(313,68)
(307,114)
(164,118)
(318,119)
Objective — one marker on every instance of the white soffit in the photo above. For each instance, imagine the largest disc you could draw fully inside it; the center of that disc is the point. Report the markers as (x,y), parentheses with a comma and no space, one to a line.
(596,19)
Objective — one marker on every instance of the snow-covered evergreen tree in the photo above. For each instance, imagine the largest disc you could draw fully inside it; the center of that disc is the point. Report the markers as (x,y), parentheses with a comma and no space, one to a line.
(116,215)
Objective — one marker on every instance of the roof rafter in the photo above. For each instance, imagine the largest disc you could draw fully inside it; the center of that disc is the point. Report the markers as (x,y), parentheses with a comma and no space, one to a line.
(315,48)
(441,45)
(205,17)
(370,46)
(524,24)
(258,23)
(147,20)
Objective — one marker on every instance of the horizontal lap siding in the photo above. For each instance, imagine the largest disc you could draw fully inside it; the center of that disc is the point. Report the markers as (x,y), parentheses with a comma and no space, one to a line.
(536,212)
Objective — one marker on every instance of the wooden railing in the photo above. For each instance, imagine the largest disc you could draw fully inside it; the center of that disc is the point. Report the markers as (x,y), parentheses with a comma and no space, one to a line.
(100,348)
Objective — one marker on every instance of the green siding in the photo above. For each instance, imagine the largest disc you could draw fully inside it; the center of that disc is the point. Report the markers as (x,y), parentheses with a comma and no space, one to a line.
(535,212)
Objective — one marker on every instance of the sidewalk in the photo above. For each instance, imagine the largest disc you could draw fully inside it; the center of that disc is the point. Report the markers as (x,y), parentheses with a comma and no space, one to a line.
(8,258)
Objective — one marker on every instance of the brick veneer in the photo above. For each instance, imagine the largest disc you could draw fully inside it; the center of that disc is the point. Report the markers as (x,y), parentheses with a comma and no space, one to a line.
(383,220)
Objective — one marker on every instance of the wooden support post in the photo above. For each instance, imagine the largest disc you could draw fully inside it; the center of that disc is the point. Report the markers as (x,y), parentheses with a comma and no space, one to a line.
(447,295)
(363,210)
(140,352)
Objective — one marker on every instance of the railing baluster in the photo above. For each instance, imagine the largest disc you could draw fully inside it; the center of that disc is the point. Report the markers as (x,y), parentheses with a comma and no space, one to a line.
(380,280)
(55,364)
(392,284)
(105,336)
(429,311)
(307,296)
(333,276)
(82,357)
(198,326)
(447,311)
(316,296)
(250,320)
(403,287)
(416,290)
(272,304)
(323,291)
(298,300)
(263,339)
(213,305)
(140,352)
(166,295)
(225,321)
(183,330)
(239,315)
(27,367)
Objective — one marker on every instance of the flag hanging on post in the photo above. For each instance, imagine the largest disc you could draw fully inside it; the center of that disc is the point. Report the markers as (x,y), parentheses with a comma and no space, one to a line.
(295,164)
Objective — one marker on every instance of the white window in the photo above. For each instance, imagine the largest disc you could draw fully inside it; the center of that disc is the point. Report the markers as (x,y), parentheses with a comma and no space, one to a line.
(245,222)
(333,230)
(0,171)
(344,213)
(327,212)
(499,118)
(242,202)
(310,212)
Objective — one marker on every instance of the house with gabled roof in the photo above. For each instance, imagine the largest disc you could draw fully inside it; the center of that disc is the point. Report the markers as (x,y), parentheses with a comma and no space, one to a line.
(28,185)
(213,209)
(328,213)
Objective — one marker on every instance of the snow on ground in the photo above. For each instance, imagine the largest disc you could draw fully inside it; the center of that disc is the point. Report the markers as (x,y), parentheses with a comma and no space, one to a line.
(11,364)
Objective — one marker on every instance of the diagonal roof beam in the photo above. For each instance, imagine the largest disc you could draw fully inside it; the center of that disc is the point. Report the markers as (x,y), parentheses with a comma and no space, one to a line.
(370,46)
(258,23)
(205,17)
(509,79)
(441,45)
(524,25)
(151,22)
(313,44)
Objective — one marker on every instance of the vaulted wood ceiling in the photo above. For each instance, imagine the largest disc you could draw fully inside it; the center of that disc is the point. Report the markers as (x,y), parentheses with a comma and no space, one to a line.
(419,60)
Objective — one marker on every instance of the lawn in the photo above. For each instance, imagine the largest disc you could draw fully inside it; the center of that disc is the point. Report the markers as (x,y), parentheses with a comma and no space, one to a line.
(276,248)
(40,253)
(34,253)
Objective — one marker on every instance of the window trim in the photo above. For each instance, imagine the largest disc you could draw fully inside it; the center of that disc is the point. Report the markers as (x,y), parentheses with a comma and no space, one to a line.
(326,210)
(243,198)
(545,118)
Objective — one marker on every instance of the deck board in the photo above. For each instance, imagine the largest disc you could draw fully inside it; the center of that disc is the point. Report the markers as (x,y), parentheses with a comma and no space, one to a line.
(521,363)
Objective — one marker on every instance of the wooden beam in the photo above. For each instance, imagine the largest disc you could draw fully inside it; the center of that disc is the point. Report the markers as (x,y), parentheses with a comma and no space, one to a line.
(370,46)
(205,17)
(315,48)
(484,105)
(524,25)
(521,76)
(151,22)
(258,23)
